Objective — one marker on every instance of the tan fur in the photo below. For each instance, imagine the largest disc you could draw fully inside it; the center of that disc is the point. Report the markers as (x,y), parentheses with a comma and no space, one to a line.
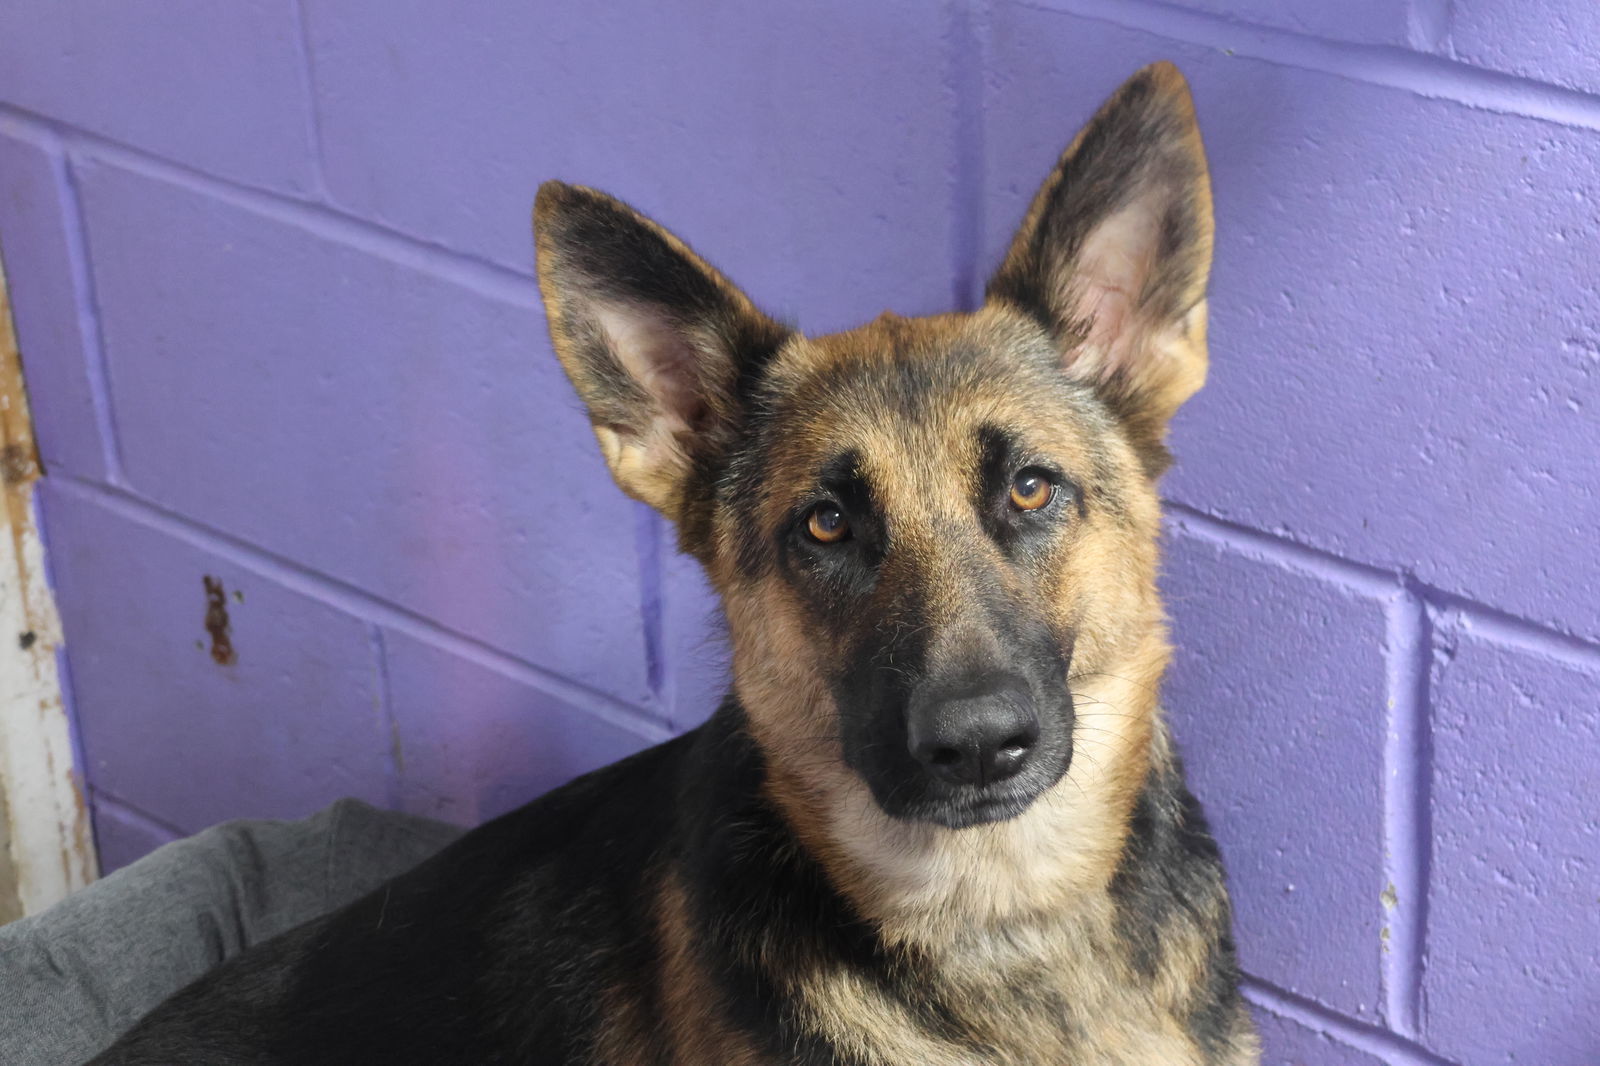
(1018,915)
(698,1035)
(912,875)
(1031,891)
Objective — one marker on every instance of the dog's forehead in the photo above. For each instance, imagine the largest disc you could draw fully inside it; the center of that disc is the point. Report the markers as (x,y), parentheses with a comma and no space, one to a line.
(908,398)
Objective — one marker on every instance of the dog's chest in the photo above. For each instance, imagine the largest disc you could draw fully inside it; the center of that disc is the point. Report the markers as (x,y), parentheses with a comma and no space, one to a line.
(1068,998)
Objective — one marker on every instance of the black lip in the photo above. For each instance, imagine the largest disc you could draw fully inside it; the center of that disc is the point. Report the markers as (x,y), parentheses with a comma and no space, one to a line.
(966,812)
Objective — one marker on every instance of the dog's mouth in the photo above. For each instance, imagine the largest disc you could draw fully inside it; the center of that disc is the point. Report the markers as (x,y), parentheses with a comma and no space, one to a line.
(963,812)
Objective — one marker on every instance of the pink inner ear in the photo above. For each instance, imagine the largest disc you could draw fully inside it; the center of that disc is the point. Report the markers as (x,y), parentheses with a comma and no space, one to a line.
(660,358)
(1108,279)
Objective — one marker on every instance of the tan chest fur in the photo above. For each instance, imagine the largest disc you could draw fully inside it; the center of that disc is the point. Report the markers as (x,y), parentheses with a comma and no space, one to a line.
(1056,993)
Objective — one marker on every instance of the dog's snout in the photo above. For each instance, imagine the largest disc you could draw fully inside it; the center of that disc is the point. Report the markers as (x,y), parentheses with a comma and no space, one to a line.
(975,734)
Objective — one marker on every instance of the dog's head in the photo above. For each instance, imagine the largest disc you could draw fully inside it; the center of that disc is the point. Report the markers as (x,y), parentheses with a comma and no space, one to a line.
(923,529)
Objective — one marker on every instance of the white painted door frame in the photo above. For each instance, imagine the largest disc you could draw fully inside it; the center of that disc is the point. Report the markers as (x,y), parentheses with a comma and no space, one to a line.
(49,846)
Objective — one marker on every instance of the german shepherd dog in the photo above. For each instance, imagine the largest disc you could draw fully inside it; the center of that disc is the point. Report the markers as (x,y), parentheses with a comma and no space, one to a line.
(938,820)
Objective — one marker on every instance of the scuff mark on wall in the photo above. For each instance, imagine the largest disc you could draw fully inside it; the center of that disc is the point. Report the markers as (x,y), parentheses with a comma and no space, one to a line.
(397,750)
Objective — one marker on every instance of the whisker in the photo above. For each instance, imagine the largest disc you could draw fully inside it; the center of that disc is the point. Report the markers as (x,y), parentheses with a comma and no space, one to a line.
(1118,677)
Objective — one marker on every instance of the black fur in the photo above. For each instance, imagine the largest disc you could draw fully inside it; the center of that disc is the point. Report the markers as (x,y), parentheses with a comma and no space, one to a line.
(1171,861)
(495,950)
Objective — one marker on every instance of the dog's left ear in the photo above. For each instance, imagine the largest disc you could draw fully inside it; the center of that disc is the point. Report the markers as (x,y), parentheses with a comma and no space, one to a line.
(1114,253)
(652,336)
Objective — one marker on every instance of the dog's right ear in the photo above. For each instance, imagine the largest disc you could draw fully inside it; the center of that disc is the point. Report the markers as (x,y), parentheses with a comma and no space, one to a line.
(653,338)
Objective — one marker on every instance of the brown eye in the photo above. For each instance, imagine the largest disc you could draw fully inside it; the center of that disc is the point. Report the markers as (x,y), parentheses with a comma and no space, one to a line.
(827,525)
(1031,490)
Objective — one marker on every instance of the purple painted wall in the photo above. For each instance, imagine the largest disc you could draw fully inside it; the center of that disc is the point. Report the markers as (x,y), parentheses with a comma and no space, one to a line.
(271,269)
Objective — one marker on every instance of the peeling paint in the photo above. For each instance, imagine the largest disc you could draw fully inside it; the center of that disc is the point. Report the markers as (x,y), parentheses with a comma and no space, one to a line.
(1389,897)
(46,830)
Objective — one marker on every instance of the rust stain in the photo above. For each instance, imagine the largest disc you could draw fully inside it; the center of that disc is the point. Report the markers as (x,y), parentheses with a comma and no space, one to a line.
(83,849)
(217,622)
(17,464)
(19,458)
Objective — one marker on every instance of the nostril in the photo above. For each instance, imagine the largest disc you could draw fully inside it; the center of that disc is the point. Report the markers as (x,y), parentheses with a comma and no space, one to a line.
(1016,745)
(973,738)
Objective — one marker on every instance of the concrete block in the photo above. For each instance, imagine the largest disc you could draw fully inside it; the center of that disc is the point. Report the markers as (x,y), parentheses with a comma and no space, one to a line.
(1556,41)
(1287,1043)
(292,723)
(46,306)
(1360,22)
(1277,696)
(122,837)
(220,87)
(406,434)
(1405,341)
(806,149)
(1514,908)
(472,742)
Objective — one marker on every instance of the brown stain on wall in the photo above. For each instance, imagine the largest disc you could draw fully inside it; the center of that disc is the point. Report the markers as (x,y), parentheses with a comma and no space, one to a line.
(217,622)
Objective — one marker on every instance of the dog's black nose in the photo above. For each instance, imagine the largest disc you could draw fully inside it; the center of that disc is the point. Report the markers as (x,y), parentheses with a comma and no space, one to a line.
(976,733)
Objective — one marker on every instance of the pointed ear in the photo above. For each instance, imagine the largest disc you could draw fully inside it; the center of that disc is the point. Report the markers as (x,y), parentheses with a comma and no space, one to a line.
(1113,255)
(653,338)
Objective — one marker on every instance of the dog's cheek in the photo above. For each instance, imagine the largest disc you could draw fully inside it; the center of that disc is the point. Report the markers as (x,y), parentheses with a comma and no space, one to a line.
(1106,593)
(776,665)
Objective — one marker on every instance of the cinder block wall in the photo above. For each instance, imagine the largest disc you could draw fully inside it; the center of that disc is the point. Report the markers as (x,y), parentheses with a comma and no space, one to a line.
(271,269)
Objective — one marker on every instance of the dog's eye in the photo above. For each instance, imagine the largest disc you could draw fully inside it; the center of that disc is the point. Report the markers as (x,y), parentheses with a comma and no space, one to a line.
(1031,490)
(827,525)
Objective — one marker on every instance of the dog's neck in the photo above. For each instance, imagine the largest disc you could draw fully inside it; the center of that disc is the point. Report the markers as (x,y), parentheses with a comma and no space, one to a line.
(1029,932)
(921,884)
